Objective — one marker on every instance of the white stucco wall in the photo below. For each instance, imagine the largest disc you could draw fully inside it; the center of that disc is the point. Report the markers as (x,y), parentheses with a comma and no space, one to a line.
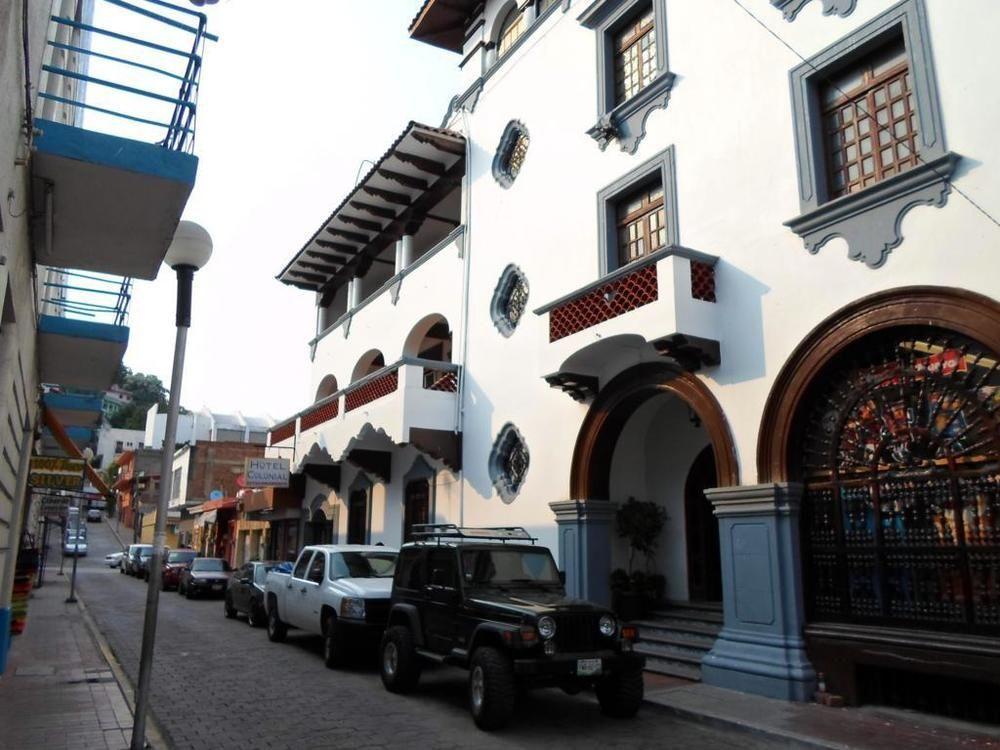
(729,120)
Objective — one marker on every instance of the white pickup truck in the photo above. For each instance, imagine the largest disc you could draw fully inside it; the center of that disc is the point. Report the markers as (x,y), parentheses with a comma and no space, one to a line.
(339,591)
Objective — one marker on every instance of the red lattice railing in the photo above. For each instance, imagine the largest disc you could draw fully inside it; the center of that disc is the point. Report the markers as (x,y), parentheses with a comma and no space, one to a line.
(440,380)
(615,298)
(702,281)
(373,389)
(282,432)
(321,414)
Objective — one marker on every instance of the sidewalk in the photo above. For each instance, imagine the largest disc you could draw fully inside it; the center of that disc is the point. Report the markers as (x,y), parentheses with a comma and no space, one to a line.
(814,726)
(58,690)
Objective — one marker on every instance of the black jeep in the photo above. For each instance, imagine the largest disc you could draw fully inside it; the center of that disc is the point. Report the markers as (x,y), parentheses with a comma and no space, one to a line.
(492,602)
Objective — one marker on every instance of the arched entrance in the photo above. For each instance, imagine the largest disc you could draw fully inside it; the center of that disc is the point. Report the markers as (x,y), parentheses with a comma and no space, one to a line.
(319,529)
(888,415)
(656,433)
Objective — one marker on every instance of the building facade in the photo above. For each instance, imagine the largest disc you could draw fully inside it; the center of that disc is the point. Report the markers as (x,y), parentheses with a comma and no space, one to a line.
(208,425)
(732,258)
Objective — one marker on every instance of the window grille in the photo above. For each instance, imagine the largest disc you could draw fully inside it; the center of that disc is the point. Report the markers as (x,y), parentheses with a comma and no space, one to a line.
(510,300)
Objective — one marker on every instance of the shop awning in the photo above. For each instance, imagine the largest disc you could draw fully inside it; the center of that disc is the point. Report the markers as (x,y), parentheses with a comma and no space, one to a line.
(421,167)
(206,518)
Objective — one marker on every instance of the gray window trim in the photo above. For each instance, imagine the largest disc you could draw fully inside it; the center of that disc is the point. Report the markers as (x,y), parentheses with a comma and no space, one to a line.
(508,492)
(501,166)
(870,221)
(625,122)
(509,275)
(607,200)
(791,8)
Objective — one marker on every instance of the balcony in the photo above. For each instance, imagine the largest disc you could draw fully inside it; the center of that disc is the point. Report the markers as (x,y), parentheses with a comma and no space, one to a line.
(412,401)
(663,305)
(82,334)
(74,409)
(114,133)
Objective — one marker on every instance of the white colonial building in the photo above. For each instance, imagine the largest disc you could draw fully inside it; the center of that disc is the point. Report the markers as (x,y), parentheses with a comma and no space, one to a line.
(657,247)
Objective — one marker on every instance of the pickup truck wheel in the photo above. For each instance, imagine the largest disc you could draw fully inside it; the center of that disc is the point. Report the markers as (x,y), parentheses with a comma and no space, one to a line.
(229,610)
(334,648)
(491,688)
(399,664)
(620,695)
(276,629)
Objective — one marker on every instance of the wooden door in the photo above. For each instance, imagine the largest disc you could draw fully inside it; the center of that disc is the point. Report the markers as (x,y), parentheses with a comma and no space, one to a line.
(417,506)
(702,529)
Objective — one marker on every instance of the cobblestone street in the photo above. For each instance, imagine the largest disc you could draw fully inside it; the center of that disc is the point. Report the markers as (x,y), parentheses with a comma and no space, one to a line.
(220,684)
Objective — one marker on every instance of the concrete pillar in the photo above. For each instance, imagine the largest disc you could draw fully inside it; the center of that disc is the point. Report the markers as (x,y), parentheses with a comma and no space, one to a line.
(407,250)
(585,546)
(760,649)
(354,293)
(399,257)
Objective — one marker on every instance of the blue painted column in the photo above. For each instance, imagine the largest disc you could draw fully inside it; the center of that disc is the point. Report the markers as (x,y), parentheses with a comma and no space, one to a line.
(585,547)
(4,637)
(760,649)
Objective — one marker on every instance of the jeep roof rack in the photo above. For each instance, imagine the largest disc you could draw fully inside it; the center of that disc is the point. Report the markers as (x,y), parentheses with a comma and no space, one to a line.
(439,531)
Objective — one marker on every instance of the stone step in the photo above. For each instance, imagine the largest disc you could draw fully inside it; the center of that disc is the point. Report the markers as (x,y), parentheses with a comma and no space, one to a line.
(687,613)
(668,625)
(704,606)
(671,668)
(671,652)
(686,640)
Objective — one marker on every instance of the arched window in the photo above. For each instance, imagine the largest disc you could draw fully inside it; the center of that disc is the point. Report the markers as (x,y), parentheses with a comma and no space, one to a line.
(371,361)
(510,153)
(510,300)
(509,462)
(900,444)
(327,387)
(511,29)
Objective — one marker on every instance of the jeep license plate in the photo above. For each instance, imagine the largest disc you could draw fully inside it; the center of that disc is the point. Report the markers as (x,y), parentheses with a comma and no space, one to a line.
(588,667)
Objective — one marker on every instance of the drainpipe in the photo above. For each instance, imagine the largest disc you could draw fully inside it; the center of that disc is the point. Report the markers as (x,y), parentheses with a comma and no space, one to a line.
(399,258)
(466,269)
(406,250)
(354,293)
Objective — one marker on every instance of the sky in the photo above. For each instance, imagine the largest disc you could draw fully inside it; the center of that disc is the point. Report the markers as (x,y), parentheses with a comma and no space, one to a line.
(293,97)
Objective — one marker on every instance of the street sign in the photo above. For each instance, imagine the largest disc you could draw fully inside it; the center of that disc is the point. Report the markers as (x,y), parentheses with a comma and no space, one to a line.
(52,473)
(266,472)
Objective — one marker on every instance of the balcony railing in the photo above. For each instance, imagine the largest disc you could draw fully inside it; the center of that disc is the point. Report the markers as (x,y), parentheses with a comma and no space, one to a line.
(86,296)
(435,376)
(141,66)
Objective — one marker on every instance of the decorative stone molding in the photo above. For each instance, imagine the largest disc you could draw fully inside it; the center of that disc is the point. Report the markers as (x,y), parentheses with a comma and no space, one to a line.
(791,8)
(509,461)
(625,121)
(510,300)
(585,532)
(870,220)
(511,153)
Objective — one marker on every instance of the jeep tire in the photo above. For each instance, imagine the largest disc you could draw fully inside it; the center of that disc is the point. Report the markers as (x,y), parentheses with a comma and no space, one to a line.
(620,694)
(491,688)
(334,647)
(399,664)
(276,629)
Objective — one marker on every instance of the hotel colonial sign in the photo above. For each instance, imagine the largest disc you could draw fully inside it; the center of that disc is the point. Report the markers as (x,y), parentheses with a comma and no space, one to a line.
(266,472)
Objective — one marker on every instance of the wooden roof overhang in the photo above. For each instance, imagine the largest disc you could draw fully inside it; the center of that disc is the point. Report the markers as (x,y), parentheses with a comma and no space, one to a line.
(442,23)
(420,168)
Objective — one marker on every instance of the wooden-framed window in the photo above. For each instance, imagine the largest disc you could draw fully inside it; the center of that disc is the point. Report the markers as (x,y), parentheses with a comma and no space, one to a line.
(642,226)
(544,5)
(869,121)
(511,29)
(635,56)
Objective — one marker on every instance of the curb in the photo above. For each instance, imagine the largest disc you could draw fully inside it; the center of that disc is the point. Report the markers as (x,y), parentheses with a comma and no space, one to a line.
(778,737)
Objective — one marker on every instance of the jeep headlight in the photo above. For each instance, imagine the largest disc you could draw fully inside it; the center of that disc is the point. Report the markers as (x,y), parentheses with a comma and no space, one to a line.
(353,608)
(546,627)
(608,626)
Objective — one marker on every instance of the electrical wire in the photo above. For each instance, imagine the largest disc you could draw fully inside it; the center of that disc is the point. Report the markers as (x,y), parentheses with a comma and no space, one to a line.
(877,126)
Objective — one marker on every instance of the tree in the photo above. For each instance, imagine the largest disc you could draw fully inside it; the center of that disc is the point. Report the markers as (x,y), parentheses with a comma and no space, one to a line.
(146,390)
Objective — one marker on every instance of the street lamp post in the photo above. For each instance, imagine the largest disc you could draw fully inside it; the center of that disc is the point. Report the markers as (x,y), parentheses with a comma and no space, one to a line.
(189,251)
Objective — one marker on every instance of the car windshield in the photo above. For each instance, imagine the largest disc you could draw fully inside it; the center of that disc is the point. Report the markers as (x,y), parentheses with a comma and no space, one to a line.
(508,567)
(208,565)
(143,550)
(181,556)
(362,565)
(260,572)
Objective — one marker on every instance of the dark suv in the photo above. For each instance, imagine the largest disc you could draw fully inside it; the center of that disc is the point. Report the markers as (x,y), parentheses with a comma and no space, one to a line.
(490,601)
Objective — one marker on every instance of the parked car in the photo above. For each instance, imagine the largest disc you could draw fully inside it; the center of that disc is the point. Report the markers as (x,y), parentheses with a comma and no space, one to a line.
(245,592)
(114,559)
(145,560)
(130,563)
(94,514)
(338,591)
(75,545)
(492,602)
(175,562)
(204,576)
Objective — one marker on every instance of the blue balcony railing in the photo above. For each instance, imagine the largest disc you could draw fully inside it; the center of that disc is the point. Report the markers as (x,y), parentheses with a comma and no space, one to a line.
(86,296)
(138,69)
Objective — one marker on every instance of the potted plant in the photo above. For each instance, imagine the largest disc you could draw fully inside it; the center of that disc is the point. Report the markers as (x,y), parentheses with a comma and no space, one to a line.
(635,590)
